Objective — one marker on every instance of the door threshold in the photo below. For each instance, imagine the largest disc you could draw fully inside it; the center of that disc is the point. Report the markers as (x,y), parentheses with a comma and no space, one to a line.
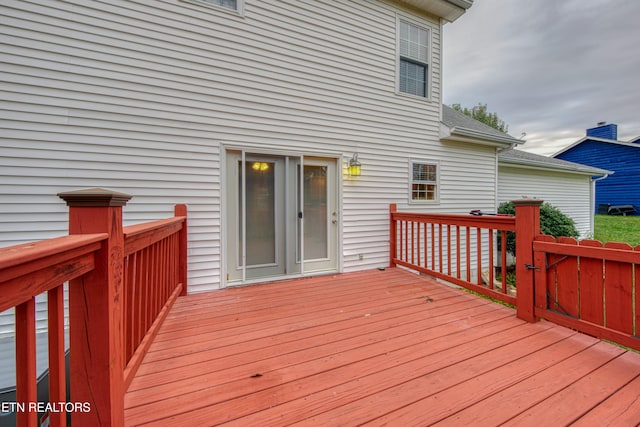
(271,279)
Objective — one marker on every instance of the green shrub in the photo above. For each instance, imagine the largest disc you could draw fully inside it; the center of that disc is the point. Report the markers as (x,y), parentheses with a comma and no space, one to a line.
(552,222)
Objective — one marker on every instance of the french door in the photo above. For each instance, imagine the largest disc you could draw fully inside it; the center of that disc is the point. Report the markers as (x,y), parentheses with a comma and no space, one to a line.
(282,216)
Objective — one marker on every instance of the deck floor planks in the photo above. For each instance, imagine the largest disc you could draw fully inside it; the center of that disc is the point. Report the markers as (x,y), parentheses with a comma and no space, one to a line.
(371,343)
(414,393)
(584,394)
(335,340)
(339,311)
(621,410)
(269,339)
(517,398)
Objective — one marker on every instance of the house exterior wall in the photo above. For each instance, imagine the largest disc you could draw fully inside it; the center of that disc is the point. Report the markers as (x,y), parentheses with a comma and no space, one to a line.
(623,186)
(142,97)
(569,192)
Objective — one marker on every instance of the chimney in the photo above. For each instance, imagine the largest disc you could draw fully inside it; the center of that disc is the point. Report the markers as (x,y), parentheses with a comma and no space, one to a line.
(604,130)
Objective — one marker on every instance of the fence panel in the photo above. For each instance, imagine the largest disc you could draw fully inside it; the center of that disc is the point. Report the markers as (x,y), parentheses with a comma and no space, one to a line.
(595,287)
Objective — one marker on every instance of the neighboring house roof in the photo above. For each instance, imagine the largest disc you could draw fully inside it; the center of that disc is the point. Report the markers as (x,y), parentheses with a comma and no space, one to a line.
(632,143)
(525,159)
(456,126)
(450,10)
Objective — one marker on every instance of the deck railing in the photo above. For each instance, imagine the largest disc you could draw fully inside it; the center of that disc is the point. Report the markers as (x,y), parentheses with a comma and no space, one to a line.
(122,282)
(154,276)
(590,287)
(29,270)
(462,249)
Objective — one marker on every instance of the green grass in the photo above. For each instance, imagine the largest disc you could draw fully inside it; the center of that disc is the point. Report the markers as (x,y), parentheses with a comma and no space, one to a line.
(614,228)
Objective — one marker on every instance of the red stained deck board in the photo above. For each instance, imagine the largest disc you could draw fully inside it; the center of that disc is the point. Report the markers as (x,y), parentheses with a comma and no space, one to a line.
(621,409)
(279,363)
(335,339)
(583,395)
(371,346)
(413,393)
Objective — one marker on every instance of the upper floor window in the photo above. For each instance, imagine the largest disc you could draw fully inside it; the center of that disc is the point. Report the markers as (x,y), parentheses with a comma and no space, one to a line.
(413,59)
(227,4)
(424,182)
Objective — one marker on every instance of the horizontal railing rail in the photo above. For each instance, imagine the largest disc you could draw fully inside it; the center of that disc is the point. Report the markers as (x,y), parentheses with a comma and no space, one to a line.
(590,287)
(27,271)
(461,249)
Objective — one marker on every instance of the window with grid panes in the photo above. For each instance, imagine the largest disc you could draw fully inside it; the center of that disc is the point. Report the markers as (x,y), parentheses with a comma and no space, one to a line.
(424,182)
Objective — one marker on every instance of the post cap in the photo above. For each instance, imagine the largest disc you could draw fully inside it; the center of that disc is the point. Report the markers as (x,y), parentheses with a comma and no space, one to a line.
(94,197)
(527,202)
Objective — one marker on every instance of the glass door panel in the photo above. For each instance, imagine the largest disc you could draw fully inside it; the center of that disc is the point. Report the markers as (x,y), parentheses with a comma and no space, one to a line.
(261,213)
(316,215)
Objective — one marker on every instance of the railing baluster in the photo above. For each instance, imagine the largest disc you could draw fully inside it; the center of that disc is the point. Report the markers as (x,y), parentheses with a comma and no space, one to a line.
(440,247)
(26,391)
(503,266)
(491,271)
(57,374)
(468,245)
(426,246)
(479,254)
(433,246)
(458,251)
(413,260)
(449,249)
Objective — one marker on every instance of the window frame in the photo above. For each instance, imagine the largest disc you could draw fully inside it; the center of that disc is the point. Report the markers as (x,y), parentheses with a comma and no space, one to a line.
(239,10)
(399,58)
(436,183)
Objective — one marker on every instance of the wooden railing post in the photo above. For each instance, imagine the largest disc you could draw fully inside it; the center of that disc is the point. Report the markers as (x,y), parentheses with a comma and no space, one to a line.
(527,228)
(393,238)
(181,210)
(95,311)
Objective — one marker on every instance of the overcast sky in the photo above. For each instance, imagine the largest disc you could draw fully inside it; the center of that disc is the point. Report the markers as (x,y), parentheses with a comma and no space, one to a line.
(550,68)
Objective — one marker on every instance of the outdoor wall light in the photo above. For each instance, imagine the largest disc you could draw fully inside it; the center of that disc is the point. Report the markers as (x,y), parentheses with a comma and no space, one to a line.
(354,166)
(260,166)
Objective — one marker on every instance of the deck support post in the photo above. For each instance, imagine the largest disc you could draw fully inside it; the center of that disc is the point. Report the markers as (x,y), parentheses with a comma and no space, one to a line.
(527,228)
(393,238)
(96,312)
(181,210)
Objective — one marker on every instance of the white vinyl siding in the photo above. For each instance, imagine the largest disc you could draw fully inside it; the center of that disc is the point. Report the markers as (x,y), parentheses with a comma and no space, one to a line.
(140,96)
(569,192)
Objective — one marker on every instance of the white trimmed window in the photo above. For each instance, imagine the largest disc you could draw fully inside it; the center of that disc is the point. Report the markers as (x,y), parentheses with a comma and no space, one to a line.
(413,62)
(235,5)
(424,182)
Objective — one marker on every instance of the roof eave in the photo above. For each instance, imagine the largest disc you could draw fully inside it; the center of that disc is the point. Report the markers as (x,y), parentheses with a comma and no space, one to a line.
(530,164)
(460,134)
(449,10)
(633,143)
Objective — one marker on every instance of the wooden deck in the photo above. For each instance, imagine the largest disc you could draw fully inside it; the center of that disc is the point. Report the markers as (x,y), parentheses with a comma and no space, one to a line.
(379,348)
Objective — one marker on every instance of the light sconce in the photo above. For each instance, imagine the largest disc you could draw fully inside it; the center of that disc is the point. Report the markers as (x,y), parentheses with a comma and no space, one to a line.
(260,166)
(354,166)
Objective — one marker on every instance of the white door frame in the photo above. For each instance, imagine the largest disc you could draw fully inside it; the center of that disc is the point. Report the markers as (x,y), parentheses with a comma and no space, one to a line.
(225,234)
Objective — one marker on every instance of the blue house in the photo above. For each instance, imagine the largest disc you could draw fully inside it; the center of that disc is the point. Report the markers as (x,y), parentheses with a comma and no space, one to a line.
(620,191)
